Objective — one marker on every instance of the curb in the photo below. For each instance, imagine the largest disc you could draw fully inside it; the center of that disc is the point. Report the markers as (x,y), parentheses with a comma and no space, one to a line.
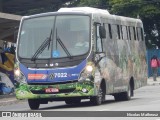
(151,82)
(7,96)
(8,99)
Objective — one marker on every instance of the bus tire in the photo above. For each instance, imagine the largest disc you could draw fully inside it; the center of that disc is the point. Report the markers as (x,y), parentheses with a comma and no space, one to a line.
(124,96)
(33,104)
(127,95)
(97,100)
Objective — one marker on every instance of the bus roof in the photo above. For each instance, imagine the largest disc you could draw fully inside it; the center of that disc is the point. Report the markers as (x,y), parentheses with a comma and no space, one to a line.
(89,10)
(84,10)
(99,12)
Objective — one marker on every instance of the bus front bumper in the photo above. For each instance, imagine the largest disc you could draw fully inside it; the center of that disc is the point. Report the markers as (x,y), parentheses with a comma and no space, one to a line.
(77,89)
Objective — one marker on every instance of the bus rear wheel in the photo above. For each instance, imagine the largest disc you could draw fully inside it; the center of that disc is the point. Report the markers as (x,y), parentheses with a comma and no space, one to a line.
(124,96)
(127,95)
(33,104)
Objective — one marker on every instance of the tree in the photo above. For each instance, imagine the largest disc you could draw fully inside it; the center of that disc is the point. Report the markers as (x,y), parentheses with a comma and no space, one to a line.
(28,7)
(102,4)
(147,10)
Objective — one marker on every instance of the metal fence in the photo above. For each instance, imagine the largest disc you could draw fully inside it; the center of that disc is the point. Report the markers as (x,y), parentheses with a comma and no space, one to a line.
(149,55)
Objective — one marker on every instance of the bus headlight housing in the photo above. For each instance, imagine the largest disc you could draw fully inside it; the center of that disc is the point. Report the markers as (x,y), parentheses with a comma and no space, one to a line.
(86,74)
(18,76)
(17,72)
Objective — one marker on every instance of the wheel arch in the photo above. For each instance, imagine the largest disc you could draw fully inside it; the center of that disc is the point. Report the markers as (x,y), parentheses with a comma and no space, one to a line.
(103,85)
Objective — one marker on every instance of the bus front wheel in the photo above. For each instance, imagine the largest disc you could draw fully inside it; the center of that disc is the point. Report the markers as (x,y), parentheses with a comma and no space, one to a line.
(97,100)
(33,104)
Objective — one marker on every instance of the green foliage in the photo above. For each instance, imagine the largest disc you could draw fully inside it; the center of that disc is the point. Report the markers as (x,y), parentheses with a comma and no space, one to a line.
(124,7)
(91,3)
(147,10)
(29,7)
(103,4)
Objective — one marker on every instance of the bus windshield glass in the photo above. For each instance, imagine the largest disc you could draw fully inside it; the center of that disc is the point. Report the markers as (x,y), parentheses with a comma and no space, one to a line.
(54,37)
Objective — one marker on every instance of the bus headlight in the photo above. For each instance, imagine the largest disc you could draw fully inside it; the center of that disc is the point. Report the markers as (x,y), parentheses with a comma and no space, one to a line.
(17,72)
(89,68)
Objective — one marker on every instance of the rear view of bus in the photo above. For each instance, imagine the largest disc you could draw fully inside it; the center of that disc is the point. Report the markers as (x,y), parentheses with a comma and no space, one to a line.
(50,63)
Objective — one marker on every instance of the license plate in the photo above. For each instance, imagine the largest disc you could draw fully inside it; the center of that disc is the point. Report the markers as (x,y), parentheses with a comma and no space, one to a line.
(51,90)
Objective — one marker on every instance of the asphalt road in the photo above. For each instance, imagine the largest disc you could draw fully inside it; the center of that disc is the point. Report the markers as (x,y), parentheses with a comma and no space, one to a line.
(145,99)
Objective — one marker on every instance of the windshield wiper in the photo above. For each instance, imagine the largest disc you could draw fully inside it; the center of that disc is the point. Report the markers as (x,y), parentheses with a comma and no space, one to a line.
(42,47)
(62,45)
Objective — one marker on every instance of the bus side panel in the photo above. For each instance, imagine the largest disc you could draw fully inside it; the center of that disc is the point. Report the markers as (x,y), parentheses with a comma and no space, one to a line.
(125,59)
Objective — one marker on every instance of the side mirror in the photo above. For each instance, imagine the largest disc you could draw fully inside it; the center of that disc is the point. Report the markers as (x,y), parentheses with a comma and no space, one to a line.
(102,32)
(98,57)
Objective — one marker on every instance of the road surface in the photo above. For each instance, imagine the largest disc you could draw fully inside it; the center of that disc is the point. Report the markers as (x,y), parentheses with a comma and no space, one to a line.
(145,99)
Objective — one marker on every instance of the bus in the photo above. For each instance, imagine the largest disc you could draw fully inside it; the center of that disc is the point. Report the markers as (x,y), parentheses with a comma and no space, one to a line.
(51,64)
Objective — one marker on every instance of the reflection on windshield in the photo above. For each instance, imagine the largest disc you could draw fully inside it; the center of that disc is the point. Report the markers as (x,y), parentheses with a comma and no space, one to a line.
(70,37)
(62,45)
(42,47)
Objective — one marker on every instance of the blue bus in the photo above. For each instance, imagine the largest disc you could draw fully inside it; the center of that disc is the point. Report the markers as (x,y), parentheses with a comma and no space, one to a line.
(79,53)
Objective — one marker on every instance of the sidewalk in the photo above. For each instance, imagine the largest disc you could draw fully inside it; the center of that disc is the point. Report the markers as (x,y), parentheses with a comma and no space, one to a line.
(151,82)
(7,99)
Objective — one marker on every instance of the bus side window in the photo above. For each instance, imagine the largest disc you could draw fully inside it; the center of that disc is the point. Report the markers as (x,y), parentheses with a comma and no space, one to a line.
(99,44)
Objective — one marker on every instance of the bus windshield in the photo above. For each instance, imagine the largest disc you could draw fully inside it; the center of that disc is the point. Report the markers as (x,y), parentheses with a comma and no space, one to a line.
(54,37)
